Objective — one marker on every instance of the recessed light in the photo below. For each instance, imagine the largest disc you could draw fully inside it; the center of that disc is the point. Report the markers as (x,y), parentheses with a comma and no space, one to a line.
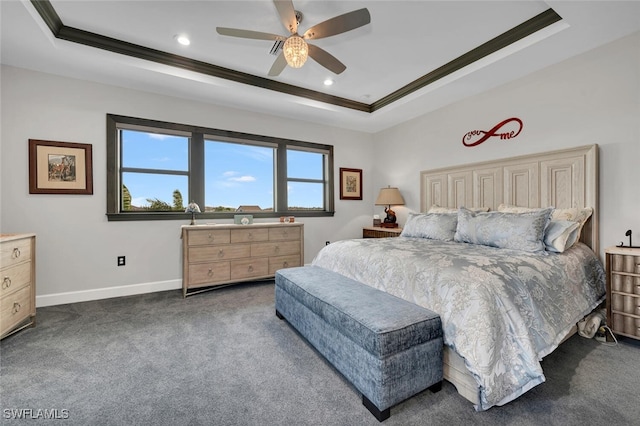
(328,82)
(183,39)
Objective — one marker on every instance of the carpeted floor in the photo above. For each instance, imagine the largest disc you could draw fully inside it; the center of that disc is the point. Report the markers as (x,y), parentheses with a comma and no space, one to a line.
(223,358)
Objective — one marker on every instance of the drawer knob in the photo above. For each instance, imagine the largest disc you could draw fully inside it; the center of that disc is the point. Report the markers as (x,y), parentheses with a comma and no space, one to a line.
(6,282)
(221,253)
(210,236)
(250,236)
(16,253)
(250,268)
(276,249)
(210,272)
(285,264)
(16,307)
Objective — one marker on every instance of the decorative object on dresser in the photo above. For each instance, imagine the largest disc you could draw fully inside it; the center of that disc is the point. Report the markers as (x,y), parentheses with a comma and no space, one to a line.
(221,255)
(60,167)
(387,197)
(380,232)
(350,184)
(623,290)
(18,290)
(243,219)
(192,208)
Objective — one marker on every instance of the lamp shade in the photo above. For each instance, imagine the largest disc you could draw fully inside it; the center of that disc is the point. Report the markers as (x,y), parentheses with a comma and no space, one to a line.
(389,197)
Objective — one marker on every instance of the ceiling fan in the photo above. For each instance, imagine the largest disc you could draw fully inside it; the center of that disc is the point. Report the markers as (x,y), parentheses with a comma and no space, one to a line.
(294,47)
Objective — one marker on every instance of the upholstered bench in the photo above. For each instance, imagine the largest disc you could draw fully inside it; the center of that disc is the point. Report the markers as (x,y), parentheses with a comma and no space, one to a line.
(388,348)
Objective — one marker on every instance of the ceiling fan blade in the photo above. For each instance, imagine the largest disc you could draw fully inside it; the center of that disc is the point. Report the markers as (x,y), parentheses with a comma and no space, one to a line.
(287,15)
(340,24)
(234,32)
(278,65)
(326,59)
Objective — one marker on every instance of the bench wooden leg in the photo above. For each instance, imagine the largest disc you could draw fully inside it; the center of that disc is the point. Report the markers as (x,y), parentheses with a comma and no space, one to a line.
(380,415)
(279,315)
(436,388)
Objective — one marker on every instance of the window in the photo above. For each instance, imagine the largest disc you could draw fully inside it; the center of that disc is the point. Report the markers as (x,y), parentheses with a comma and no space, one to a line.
(154,169)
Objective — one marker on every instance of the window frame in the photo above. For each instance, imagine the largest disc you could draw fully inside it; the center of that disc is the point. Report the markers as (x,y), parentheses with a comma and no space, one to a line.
(197,136)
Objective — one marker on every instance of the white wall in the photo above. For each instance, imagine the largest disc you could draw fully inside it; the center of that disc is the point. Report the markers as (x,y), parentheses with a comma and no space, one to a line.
(76,245)
(590,99)
(593,98)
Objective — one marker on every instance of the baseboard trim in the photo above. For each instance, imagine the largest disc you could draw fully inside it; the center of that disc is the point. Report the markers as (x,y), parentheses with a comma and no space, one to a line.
(106,293)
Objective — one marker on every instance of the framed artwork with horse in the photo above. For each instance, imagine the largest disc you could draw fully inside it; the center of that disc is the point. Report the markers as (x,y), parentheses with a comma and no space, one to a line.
(60,167)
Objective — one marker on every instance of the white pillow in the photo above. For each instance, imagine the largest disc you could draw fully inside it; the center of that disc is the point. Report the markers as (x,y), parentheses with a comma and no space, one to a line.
(561,235)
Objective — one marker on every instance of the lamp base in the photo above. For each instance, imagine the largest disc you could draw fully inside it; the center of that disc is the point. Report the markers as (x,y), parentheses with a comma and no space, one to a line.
(388,225)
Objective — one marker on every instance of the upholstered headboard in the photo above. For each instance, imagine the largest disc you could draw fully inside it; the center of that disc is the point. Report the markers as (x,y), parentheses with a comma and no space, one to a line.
(562,179)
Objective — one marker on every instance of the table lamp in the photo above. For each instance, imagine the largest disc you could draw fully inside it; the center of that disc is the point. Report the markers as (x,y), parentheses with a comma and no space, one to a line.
(387,197)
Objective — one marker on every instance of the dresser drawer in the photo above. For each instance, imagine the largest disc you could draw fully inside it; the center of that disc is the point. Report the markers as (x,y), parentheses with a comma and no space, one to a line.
(14,277)
(15,308)
(14,252)
(281,262)
(249,234)
(284,232)
(209,236)
(209,273)
(249,268)
(275,248)
(222,252)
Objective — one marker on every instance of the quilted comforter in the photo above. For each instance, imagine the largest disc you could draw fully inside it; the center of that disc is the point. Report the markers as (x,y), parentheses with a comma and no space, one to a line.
(502,310)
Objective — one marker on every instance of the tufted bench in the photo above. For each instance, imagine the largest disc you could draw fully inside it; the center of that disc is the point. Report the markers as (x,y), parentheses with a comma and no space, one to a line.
(388,348)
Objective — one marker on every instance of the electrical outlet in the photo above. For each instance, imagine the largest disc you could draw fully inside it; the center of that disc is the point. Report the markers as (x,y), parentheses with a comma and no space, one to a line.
(121,261)
(326,243)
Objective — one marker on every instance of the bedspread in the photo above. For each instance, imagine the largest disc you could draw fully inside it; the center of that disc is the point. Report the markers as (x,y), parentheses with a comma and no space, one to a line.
(502,310)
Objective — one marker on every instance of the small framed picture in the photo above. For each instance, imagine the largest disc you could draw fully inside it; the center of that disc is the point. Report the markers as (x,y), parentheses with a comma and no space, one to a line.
(60,168)
(350,184)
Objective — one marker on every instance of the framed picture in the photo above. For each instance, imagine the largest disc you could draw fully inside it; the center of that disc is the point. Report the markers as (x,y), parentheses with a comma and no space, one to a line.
(350,184)
(60,168)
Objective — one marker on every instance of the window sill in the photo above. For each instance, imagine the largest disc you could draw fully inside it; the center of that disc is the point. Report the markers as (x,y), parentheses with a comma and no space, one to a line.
(122,217)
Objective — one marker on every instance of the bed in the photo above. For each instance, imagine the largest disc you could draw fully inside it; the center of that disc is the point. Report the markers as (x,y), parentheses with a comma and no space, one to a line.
(504,305)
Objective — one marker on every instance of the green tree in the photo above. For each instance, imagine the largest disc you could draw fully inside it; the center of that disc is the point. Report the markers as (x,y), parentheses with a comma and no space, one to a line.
(126,198)
(177,200)
(158,205)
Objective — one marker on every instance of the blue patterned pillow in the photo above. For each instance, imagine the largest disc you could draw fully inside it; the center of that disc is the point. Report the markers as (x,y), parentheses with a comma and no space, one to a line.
(435,226)
(519,231)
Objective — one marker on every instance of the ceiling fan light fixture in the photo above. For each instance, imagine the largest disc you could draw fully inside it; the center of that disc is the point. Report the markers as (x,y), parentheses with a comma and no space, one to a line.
(295,51)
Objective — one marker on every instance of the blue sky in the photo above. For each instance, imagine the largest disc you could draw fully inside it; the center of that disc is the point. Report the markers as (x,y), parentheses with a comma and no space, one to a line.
(235,174)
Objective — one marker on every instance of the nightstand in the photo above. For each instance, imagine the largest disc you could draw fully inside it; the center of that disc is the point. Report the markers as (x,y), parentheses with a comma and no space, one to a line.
(380,232)
(623,290)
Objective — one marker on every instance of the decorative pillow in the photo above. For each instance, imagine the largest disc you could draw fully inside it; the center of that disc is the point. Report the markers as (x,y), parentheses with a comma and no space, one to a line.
(573,214)
(579,215)
(519,231)
(433,226)
(507,208)
(561,235)
(437,209)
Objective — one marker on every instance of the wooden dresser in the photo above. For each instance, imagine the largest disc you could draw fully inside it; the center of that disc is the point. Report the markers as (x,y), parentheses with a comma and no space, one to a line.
(623,290)
(18,290)
(216,255)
